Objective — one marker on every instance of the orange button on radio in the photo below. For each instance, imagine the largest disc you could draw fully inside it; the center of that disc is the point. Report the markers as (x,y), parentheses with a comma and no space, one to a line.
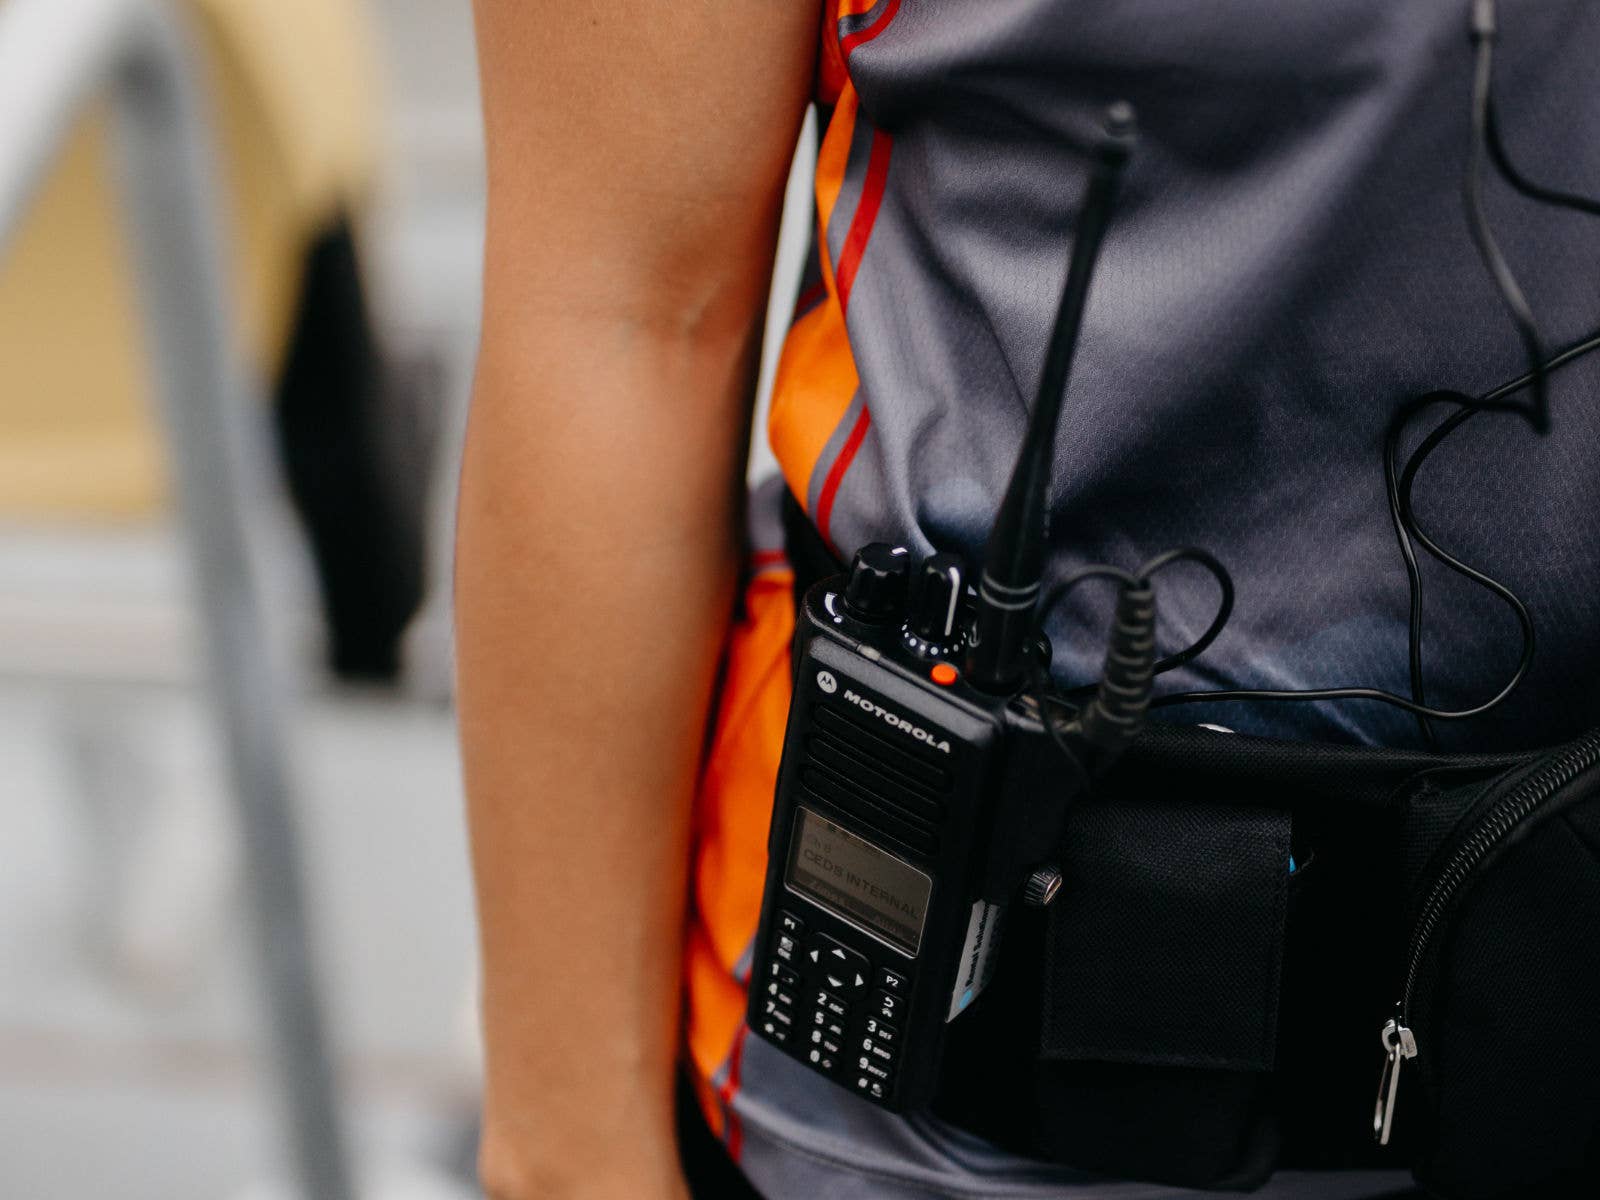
(943,674)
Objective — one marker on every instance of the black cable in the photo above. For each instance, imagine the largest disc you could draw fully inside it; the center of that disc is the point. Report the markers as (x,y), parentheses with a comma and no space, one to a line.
(1486,142)
(1405,523)
(1058,727)
(1404,520)
(1519,181)
(1400,483)
(1483,39)
(1486,139)
(1177,659)
(1043,690)
(1407,527)
(1489,401)
(1391,445)
(1224,605)
(1402,512)
(1058,591)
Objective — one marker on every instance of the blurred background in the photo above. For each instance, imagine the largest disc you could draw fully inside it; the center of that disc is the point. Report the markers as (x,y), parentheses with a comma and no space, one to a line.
(136,1056)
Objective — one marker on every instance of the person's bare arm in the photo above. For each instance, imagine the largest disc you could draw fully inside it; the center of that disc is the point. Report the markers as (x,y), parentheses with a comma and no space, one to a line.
(637,155)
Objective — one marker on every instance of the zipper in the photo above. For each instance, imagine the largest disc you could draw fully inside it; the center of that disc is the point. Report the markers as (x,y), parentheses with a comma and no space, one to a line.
(1398,1040)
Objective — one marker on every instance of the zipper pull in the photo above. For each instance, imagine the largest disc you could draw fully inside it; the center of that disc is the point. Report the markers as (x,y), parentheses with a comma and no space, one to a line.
(1399,1044)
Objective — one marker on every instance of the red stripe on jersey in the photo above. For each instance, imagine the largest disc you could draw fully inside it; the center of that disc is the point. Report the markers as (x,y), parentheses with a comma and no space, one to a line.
(855,242)
(861,36)
(830,486)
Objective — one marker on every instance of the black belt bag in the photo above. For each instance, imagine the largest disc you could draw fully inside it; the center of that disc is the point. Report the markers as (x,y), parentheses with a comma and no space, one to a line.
(1252,936)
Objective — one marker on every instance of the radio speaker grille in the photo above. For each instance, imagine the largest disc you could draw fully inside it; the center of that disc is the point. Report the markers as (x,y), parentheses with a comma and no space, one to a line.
(895,791)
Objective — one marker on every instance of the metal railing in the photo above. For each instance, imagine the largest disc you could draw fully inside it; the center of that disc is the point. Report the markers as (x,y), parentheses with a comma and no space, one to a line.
(55,55)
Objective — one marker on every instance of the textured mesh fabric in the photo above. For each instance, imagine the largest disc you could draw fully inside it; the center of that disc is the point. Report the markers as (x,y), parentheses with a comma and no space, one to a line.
(1289,263)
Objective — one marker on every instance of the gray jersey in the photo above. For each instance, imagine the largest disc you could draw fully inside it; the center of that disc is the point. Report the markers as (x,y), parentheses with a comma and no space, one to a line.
(1290,262)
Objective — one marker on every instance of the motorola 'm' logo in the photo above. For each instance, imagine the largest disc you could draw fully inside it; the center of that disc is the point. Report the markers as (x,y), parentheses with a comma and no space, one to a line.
(827,682)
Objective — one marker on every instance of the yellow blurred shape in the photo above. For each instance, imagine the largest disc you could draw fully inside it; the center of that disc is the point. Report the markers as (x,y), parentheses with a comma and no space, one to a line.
(291,85)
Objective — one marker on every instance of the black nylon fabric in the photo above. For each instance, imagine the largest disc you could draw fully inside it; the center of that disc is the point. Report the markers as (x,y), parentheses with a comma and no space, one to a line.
(1165,942)
(1507,1015)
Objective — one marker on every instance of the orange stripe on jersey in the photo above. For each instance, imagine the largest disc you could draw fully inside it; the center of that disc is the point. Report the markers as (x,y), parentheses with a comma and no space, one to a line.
(811,391)
(833,156)
(733,810)
(832,78)
(816,377)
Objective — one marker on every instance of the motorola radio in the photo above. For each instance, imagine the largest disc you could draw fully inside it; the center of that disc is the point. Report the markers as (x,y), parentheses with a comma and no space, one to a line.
(904,820)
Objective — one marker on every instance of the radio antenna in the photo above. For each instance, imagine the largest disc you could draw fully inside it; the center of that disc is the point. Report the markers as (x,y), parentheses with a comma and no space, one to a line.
(1013,564)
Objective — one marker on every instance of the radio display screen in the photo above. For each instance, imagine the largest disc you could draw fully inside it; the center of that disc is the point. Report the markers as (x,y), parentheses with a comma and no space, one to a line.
(854,879)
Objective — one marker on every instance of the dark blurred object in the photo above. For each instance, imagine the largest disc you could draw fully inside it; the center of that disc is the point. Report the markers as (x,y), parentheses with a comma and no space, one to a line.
(291,96)
(711,1174)
(355,437)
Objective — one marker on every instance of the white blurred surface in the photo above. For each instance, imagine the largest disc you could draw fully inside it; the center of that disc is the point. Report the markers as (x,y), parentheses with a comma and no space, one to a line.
(129,1021)
(128,1024)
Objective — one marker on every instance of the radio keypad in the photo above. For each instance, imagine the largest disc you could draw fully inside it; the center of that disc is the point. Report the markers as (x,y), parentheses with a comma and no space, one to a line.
(779,1012)
(835,1010)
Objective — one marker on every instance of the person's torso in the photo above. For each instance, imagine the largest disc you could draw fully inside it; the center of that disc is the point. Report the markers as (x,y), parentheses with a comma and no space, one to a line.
(1289,262)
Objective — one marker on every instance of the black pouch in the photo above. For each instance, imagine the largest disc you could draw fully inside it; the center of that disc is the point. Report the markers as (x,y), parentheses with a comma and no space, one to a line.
(1500,988)
(1163,966)
(1207,1016)
(1205,992)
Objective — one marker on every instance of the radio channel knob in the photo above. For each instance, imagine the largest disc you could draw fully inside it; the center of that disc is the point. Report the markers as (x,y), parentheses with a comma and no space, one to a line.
(877,587)
(1041,887)
(936,595)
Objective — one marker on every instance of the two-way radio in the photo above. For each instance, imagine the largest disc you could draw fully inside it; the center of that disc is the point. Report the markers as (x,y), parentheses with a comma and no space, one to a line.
(900,827)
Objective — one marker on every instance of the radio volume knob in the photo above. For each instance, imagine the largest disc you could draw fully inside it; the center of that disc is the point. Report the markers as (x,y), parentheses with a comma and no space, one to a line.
(877,587)
(936,596)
